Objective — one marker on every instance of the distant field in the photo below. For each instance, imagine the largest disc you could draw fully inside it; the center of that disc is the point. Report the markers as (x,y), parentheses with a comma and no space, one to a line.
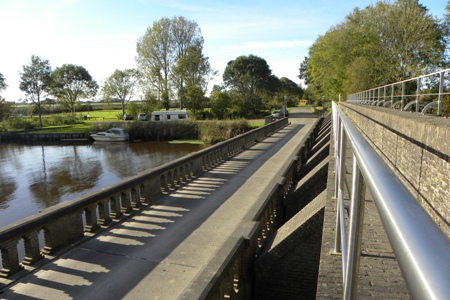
(105,114)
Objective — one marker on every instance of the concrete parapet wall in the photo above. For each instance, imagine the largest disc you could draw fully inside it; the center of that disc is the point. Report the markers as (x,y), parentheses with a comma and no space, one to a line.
(416,147)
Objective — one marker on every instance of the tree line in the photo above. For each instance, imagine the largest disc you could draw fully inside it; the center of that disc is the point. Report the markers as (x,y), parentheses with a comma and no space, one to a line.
(385,42)
(170,65)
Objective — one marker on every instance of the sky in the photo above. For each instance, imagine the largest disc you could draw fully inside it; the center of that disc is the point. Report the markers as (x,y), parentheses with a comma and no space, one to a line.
(101,35)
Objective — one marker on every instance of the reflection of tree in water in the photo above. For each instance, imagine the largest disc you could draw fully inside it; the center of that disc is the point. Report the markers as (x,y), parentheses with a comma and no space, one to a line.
(69,176)
(118,159)
(7,187)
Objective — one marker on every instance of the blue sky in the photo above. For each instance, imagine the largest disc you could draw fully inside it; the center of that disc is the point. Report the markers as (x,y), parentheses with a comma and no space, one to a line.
(101,35)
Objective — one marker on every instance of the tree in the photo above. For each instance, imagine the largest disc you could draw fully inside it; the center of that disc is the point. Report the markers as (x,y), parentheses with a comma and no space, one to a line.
(70,83)
(290,91)
(3,84)
(35,80)
(6,109)
(188,45)
(445,27)
(383,43)
(121,84)
(250,77)
(193,72)
(155,56)
(162,52)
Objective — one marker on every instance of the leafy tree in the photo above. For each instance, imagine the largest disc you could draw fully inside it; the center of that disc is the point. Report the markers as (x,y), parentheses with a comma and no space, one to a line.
(190,64)
(250,77)
(290,91)
(221,102)
(35,80)
(133,109)
(161,57)
(121,84)
(445,27)
(193,72)
(3,84)
(70,83)
(150,103)
(155,56)
(384,43)
(6,109)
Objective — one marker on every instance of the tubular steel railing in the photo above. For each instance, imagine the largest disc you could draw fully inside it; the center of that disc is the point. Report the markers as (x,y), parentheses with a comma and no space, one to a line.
(421,93)
(421,248)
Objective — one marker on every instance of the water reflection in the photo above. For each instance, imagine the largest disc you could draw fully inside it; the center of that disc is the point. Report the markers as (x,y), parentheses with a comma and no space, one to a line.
(70,176)
(33,177)
(7,187)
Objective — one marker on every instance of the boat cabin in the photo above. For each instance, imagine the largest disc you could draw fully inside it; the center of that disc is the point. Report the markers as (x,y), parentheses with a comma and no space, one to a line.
(169,115)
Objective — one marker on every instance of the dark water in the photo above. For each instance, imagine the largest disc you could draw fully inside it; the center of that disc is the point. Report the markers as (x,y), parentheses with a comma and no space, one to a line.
(34,177)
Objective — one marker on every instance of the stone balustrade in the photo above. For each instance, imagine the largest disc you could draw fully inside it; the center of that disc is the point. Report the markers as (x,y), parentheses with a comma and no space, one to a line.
(234,264)
(68,222)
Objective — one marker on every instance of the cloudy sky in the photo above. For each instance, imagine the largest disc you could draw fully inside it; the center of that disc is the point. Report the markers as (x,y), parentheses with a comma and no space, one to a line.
(101,35)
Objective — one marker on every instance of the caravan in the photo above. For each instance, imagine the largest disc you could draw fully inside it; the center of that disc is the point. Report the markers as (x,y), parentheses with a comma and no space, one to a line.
(169,115)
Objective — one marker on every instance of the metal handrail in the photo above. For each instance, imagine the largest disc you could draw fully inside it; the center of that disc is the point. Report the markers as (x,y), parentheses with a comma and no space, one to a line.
(421,248)
(395,93)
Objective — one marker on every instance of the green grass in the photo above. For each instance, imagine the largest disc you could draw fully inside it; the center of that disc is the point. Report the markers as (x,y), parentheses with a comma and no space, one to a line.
(256,124)
(196,142)
(65,128)
(98,115)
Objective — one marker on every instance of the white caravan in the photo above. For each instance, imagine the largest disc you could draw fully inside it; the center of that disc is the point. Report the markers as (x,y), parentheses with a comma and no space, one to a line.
(169,115)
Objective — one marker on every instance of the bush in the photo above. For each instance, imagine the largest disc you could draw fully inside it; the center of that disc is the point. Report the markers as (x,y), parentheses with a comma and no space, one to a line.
(216,131)
(22,123)
(207,131)
(61,119)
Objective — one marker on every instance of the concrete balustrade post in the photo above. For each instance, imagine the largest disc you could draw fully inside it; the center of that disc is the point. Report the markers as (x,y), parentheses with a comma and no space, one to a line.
(32,249)
(62,232)
(91,218)
(176,177)
(170,181)
(135,197)
(10,258)
(126,201)
(152,187)
(237,273)
(116,207)
(104,212)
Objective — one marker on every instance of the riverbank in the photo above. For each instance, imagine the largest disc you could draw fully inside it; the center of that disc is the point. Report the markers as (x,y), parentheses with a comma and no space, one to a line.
(209,132)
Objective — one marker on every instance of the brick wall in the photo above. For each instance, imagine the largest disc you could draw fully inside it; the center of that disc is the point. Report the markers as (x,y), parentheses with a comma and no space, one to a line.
(416,147)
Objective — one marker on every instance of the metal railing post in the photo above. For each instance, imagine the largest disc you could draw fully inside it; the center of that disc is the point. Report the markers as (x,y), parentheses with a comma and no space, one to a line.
(392,95)
(355,232)
(441,91)
(418,96)
(339,185)
(403,96)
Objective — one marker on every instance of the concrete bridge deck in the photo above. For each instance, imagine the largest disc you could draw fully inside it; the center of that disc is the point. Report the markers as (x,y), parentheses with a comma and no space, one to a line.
(162,249)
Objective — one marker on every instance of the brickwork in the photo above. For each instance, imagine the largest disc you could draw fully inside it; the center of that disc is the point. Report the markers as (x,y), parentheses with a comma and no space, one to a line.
(417,149)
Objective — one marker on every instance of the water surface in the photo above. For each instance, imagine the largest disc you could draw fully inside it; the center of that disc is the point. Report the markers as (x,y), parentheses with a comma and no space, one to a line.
(34,177)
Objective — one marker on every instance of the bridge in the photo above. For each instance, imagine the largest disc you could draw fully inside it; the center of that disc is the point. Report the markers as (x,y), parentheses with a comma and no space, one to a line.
(254,217)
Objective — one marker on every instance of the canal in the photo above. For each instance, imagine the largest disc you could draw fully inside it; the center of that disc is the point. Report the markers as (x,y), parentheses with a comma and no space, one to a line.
(34,177)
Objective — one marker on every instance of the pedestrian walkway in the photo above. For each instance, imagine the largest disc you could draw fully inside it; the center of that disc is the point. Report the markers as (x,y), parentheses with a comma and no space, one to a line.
(158,253)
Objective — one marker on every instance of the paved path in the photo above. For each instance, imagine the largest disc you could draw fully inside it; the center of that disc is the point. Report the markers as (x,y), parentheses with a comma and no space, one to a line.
(157,253)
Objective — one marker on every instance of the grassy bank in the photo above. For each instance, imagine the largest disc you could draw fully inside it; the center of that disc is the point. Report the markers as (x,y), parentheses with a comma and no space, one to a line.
(206,131)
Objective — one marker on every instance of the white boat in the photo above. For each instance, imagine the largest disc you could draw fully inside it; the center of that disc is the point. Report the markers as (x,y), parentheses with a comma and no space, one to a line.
(111,135)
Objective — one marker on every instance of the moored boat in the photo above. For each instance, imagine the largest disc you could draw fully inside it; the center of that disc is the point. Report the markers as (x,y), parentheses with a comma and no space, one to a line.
(111,135)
